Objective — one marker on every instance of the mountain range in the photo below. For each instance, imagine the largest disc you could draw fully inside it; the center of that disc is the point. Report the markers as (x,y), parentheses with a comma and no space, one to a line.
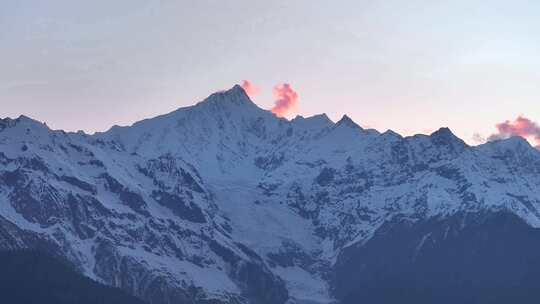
(223,202)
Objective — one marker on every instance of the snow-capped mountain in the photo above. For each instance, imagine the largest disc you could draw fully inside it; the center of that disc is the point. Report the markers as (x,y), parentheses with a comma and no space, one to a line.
(223,202)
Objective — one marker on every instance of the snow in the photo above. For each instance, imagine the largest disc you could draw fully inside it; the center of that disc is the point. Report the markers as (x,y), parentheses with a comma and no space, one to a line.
(260,175)
(304,286)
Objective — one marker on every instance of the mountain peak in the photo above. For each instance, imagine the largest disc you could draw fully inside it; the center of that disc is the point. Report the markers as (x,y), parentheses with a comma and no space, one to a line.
(445,137)
(323,118)
(237,89)
(391,134)
(230,184)
(444,133)
(512,142)
(314,123)
(22,120)
(235,95)
(348,122)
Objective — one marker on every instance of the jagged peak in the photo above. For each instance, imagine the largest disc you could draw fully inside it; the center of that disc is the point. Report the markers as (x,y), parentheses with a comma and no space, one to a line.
(234,96)
(443,131)
(315,118)
(348,122)
(238,90)
(22,120)
(232,105)
(444,136)
(392,134)
(315,123)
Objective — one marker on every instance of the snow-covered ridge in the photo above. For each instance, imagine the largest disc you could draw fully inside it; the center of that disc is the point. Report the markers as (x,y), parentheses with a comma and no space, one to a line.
(191,205)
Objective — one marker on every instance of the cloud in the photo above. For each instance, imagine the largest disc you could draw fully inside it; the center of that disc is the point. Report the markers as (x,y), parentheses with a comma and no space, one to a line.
(521,126)
(286,99)
(250,89)
(478,138)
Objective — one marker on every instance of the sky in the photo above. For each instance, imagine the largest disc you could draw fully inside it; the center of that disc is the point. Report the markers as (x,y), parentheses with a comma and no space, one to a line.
(410,66)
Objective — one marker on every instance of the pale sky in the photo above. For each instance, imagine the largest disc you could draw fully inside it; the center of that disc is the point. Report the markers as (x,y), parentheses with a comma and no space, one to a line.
(410,66)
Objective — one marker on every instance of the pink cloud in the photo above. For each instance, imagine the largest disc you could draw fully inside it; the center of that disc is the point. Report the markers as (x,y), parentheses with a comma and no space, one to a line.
(250,89)
(286,99)
(521,126)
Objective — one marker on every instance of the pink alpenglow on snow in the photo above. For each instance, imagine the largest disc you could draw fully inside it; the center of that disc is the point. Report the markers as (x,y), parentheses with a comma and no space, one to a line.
(286,99)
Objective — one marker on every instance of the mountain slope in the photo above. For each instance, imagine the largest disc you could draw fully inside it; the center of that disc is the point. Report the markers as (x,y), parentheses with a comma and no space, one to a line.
(223,201)
(466,258)
(32,277)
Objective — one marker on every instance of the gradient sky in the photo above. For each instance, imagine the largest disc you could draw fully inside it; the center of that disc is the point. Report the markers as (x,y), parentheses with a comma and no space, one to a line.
(411,66)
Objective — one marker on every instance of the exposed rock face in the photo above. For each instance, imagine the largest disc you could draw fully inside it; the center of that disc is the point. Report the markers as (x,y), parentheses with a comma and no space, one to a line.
(223,202)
